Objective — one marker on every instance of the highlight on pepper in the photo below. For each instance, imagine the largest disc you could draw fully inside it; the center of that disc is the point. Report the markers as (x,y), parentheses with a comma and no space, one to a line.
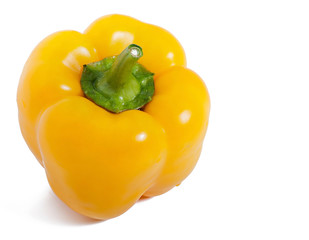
(112,114)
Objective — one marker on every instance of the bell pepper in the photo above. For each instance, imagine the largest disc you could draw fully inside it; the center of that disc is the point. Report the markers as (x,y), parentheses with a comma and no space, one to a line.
(112,114)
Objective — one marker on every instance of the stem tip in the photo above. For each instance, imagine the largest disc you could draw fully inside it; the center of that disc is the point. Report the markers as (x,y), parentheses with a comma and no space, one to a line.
(135,51)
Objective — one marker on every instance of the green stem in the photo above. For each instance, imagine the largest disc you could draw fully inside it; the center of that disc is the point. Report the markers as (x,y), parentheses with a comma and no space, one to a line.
(119,83)
(122,67)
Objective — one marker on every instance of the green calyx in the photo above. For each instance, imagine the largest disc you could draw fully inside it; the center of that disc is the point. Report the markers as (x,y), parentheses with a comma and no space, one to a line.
(118,83)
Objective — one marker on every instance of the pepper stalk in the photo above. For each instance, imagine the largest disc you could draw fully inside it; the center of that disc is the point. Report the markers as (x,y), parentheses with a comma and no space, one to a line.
(118,83)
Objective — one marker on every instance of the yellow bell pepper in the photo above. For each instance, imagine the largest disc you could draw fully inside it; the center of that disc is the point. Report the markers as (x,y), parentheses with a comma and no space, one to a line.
(94,125)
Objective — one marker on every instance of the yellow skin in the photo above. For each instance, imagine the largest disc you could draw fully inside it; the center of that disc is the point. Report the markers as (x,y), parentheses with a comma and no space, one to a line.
(100,163)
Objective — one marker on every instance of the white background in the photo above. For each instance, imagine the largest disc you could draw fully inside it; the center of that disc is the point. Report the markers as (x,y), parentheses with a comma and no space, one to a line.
(252,180)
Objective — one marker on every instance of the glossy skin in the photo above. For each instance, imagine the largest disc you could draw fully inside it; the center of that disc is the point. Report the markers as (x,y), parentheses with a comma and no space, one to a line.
(97,162)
